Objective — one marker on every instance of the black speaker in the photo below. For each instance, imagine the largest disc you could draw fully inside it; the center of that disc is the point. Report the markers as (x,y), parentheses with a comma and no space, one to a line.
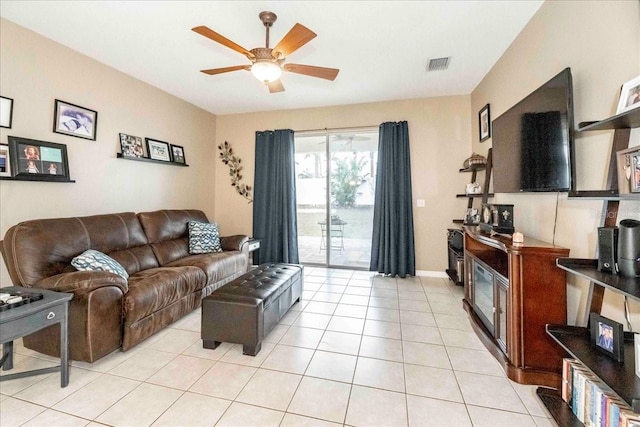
(607,249)
(629,248)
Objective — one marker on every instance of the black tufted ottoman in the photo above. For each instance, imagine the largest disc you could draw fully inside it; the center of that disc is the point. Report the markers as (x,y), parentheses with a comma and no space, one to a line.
(246,309)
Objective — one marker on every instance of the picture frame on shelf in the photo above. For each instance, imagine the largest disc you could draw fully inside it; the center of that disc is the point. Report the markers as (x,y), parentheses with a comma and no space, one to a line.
(6,112)
(628,172)
(131,146)
(74,120)
(158,150)
(629,96)
(636,346)
(5,161)
(39,160)
(484,123)
(177,154)
(607,336)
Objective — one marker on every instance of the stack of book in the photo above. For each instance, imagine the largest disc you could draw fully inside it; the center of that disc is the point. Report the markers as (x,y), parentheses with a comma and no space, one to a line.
(592,401)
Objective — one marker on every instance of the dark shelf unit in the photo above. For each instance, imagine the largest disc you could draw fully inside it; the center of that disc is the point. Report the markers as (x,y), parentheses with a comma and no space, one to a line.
(626,120)
(588,269)
(456,256)
(620,377)
(37,178)
(146,159)
(557,407)
(622,125)
(576,341)
(474,196)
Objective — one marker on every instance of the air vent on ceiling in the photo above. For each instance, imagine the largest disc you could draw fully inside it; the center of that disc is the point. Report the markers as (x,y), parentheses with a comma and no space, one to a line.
(438,64)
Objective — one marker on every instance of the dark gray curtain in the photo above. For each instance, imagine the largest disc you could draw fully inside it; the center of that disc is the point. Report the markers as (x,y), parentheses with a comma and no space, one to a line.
(274,197)
(393,248)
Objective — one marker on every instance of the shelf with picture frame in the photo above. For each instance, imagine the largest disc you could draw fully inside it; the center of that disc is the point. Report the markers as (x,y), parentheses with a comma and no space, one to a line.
(146,159)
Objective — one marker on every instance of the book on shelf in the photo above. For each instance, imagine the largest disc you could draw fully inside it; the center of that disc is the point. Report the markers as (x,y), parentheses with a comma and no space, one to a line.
(592,401)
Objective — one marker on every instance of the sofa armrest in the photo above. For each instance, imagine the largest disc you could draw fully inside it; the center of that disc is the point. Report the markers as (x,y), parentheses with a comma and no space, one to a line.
(238,242)
(83,282)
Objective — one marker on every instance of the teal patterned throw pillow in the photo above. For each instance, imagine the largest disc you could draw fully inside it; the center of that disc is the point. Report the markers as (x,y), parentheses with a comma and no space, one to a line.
(203,238)
(92,260)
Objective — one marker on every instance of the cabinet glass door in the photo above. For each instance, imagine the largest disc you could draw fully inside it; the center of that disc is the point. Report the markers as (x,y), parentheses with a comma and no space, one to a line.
(483,294)
(501,313)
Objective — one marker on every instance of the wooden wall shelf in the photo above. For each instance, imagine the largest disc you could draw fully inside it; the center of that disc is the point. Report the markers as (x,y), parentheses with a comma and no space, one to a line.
(626,120)
(588,269)
(146,159)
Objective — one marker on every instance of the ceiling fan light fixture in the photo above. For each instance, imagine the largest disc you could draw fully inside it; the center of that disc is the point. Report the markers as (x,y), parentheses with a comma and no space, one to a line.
(266,71)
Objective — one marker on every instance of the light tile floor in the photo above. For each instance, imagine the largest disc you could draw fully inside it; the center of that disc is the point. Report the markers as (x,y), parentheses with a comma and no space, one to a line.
(359,350)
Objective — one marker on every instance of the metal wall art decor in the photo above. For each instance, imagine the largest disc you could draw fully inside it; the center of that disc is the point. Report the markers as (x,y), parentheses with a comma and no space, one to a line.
(235,170)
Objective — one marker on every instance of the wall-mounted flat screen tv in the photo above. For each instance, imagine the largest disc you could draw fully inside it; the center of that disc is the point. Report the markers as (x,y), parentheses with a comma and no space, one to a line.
(533,141)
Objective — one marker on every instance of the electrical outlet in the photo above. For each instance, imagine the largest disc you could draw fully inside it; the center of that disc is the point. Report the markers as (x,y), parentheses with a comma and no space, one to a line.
(420,203)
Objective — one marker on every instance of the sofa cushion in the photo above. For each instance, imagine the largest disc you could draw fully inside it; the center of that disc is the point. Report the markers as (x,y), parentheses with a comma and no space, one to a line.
(218,266)
(92,260)
(167,232)
(204,238)
(157,288)
(45,247)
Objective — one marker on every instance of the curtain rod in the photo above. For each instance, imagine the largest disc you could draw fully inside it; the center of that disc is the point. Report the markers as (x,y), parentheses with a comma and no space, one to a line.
(370,127)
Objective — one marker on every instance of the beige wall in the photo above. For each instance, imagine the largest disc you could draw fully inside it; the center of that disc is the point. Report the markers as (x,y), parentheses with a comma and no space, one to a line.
(440,141)
(600,41)
(35,71)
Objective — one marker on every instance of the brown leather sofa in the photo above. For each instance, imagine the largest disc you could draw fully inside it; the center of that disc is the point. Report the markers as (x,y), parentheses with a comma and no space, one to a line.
(108,312)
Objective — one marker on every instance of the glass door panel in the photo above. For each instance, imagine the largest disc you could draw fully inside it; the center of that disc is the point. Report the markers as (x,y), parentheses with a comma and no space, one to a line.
(335,179)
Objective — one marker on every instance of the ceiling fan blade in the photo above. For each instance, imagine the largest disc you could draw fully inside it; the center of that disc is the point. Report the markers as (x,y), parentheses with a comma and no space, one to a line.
(210,34)
(310,70)
(297,37)
(213,71)
(275,86)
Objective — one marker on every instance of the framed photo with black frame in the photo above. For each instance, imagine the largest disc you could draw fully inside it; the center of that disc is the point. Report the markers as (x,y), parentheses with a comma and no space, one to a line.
(607,336)
(6,112)
(484,123)
(39,160)
(177,154)
(158,150)
(73,120)
(5,161)
(131,146)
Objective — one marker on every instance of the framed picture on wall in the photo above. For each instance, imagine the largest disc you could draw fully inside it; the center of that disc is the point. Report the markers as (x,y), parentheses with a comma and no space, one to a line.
(629,96)
(131,146)
(177,154)
(158,150)
(6,112)
(484,123)
(47,161)
(5,163)
(73,120)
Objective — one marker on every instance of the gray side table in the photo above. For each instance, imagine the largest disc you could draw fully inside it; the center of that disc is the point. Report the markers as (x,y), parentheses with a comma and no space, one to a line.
(254,245)
(28,318)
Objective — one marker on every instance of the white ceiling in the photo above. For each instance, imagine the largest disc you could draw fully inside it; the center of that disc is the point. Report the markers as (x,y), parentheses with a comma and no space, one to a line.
(381,48)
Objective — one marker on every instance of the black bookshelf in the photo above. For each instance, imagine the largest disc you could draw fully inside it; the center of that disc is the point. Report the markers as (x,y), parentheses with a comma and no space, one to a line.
(559,410)
(620,377)
(627,120)
(36,178)
(588,269)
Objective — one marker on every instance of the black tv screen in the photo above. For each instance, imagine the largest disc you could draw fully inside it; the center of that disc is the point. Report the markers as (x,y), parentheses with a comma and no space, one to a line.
(533,141)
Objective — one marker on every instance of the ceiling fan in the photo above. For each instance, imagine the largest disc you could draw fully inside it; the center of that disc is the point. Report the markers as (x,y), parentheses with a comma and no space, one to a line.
(267,64)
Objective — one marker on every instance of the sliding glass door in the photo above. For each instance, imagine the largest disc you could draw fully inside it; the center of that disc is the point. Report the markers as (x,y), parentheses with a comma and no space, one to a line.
(335,181)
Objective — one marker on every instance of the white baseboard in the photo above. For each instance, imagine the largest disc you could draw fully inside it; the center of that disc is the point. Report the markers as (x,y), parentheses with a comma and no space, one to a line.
(428,273)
